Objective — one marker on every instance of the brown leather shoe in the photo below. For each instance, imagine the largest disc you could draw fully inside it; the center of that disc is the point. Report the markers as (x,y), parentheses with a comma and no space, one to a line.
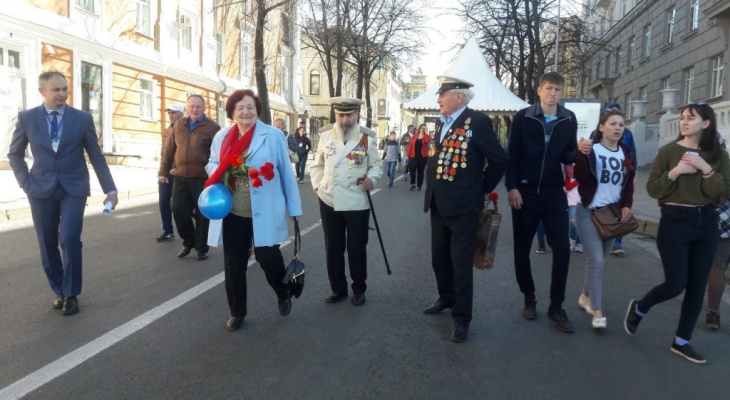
(70,306)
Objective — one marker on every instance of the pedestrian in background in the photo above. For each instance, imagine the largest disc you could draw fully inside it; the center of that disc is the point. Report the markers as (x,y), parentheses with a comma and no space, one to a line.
(259,210)
(345,167)
(164,189)
(303,145)
(571,192)
(57,184)
(542,137)
(418,156)
(610,160)
(689,177)
(391,156)
(716,281)
(188,150)
(405,141)
(465,164)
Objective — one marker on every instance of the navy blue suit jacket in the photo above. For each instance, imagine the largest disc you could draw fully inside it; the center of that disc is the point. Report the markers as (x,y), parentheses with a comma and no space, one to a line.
(68,165)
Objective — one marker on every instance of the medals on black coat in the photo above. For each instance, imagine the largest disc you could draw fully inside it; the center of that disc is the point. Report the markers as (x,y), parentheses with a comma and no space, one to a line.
(452,152)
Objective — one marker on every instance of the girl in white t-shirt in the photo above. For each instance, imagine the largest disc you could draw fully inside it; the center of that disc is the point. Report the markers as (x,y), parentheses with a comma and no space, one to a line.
(604,178)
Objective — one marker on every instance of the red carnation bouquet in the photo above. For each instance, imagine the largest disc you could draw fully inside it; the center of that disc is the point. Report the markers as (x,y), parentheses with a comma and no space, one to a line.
(240,169)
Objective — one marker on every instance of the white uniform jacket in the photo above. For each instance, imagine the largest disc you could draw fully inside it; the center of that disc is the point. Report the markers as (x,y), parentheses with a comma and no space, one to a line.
(271,202)
(337,166)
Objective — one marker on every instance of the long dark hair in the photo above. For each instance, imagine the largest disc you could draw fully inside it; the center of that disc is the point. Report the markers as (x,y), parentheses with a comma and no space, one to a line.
(602,121)
(708,137)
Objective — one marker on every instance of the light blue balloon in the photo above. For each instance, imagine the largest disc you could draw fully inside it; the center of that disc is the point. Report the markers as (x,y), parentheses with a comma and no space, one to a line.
(215,201)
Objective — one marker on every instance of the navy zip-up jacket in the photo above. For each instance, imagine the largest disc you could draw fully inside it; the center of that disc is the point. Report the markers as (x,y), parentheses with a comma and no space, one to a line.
(534,165)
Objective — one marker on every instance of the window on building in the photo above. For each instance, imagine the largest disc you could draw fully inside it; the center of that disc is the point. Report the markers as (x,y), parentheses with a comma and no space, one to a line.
(143,17)
(646,51)
(627,105)
(671,15)
(146,96)
(689,77)
(408,95)
(718,72)
(222,117)
(12,60)
(607,65)
(87,5)
(631,54)
(643,95)
(186,32)
(314,83)
(624,7)
(618,60)
(589,76)
(665,83)
(598,69)
(416,94)
(285,29)
(220,51)
(285,76)
(694,14)
(246,60)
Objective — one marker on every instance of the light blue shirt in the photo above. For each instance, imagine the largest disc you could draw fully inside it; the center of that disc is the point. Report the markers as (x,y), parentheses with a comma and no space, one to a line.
(448,121)
(194,124)
(59,119)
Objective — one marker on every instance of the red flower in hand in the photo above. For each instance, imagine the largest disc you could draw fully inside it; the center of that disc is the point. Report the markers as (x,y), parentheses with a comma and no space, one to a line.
(267,170)
(256,182)
(253,173)
(237,161)
(493,196)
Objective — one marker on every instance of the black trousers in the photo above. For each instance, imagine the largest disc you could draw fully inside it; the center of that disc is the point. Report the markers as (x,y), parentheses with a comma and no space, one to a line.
(185,193)
(452,254)
(345,230)
(552,209)
(416,166)
(687,239)
(237,241)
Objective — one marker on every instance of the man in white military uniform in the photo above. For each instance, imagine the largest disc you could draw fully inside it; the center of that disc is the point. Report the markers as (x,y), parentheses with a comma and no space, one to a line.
(345,167)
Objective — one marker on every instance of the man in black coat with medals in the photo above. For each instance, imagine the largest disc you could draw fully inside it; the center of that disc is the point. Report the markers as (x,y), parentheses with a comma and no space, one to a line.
(457,185)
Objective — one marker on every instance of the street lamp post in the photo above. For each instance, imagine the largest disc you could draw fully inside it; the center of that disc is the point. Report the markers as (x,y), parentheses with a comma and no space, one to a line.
(557,38)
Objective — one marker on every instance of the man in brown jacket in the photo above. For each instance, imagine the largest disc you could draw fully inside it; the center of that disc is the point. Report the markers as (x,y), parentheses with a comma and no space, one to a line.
(188,150)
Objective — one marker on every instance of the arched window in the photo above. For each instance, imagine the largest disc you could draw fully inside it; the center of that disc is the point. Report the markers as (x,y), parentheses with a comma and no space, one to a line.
(314,83)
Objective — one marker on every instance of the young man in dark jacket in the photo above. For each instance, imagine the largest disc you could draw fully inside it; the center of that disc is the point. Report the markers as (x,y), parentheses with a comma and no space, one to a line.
(543,136)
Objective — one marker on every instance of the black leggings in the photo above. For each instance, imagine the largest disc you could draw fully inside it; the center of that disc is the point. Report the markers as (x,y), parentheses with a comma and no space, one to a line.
(687,239)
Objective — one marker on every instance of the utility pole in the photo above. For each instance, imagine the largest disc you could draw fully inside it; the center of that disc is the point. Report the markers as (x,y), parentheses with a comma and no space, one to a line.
(557,38)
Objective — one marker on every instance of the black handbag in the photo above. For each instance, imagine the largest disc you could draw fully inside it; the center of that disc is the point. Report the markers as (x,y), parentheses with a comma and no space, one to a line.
(608,222)
(294,277)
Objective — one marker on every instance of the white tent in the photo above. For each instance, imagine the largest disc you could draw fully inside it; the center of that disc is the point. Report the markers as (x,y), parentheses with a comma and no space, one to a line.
(491,96)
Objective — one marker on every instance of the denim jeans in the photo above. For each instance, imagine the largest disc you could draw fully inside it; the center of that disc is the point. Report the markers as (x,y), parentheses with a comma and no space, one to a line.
(687,240)
(300,165)
(597,251)
(390,165)
(572,233)
(165,196)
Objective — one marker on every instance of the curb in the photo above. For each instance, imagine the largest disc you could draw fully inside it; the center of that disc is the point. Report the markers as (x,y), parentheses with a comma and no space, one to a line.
(647,227)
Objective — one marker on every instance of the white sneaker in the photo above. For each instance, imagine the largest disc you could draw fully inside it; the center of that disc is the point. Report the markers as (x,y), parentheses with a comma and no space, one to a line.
(599,323)
(572,245)
(585,306)
(578,247)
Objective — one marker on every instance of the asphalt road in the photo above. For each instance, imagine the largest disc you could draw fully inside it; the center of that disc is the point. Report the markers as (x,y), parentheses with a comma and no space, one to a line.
(152,326)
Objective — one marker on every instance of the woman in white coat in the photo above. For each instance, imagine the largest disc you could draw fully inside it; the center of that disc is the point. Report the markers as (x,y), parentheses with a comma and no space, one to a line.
(260,206)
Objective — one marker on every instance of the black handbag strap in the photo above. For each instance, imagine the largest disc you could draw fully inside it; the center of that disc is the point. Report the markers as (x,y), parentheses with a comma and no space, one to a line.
(297,240)
(613,207)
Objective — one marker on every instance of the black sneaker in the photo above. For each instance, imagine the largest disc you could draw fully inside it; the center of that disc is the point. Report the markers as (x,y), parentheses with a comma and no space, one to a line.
(687,352)
(165,236)
(541,248)
(561,319)
(529,311)
(632,320)
(712,320)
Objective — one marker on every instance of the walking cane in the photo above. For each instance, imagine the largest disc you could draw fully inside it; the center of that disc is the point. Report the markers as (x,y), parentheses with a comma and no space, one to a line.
(377,228)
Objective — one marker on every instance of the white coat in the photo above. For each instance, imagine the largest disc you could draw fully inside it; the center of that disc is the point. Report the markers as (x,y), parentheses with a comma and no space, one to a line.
(337,166)
(275,199)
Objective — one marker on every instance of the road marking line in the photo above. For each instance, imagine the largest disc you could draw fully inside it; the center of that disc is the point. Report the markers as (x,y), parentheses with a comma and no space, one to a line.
(67,362)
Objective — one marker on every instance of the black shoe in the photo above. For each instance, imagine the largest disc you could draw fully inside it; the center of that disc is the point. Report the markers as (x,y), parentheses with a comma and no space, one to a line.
(561,319)
(460,332)
(530,311)
(165,236)
(358,299)
(412,187)
(335,298)
(70,306)
(541,248)
(285,307)
(632,320)
(437,307)
(687,352)
(419,188)
(234,323)
(183,252)
(712,320)
(202,256)
(57,303)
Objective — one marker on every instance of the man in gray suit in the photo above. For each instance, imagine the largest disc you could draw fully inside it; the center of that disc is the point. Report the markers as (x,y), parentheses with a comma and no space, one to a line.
(57,184)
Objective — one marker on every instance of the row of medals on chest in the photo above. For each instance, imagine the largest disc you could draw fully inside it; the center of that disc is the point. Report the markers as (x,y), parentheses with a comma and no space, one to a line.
(453,153)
